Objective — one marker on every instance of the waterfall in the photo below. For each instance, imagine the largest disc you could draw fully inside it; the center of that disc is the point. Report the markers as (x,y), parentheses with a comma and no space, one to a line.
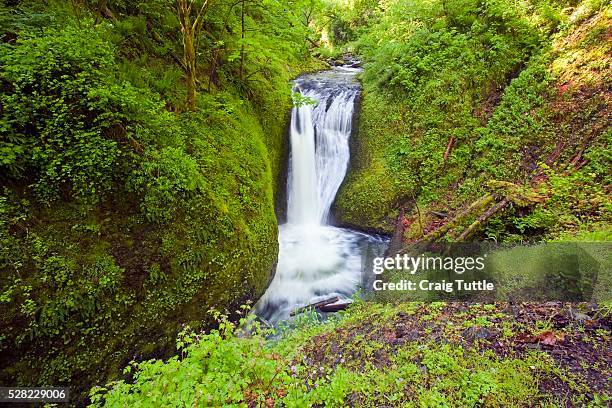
(319,152)
(317,260)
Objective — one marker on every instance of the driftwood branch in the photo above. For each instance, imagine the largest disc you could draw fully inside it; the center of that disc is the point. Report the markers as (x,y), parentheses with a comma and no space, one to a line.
(315,305)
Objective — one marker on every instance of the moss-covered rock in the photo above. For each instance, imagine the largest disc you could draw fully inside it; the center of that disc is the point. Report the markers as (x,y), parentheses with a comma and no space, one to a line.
(122,216)
(369,197)
(442,116)
(88,287)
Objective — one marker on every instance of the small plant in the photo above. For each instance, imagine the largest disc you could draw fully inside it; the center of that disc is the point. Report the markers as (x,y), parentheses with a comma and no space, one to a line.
(300,100)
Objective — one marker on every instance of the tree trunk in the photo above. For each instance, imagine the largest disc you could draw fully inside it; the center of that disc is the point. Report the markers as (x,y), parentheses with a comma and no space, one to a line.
(190,63)
(242,44)
(190,31)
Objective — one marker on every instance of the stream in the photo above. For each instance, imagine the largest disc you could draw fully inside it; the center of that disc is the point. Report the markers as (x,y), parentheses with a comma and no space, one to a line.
(317,260)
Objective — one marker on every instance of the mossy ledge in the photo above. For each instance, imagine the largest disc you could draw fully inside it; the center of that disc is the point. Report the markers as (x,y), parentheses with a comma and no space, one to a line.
(125,215)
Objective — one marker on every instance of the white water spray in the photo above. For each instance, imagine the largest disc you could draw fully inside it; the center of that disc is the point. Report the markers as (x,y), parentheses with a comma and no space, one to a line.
(317,260)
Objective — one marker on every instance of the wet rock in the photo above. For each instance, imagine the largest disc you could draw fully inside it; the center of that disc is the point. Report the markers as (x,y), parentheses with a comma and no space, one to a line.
(476,333)
(580,317)
(592,307)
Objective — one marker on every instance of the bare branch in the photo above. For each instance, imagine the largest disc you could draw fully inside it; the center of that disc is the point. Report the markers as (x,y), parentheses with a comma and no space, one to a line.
(200,15)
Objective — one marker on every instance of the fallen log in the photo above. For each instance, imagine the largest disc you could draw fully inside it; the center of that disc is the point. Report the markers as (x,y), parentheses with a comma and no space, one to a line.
(334,307)
(482,202)
(487,206)
(315,305)
(482,219)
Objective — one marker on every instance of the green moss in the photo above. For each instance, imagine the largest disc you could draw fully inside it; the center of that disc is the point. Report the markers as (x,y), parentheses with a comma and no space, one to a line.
(353,360)
(505,117)
(143,216)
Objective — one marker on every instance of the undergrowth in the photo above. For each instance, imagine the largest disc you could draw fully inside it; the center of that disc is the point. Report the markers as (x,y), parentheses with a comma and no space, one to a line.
(460,93)
(244,365)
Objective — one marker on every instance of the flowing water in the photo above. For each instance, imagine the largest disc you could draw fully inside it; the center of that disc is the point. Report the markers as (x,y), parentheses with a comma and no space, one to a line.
(317,260)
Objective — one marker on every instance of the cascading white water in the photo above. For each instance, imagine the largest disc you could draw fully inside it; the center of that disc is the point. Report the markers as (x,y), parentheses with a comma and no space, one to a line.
(317,260)
(314,179)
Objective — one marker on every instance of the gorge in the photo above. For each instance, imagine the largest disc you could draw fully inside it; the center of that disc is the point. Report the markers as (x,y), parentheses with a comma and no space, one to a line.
(166,205)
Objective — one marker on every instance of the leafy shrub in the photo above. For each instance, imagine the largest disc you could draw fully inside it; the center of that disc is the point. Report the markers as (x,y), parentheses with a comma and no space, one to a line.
(49,119)
(219,368)
(166,178)
(67,121)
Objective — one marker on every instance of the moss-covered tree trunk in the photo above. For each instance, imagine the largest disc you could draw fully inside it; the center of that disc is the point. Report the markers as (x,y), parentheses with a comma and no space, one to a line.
(190,31)
(190,63)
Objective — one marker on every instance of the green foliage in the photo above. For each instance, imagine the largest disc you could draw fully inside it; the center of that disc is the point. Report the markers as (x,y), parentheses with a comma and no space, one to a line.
(428,68)
(218,368)
(121,217)
(347,18)
(166,177)
(460,92)
(225,367)
(68,121)
(301,100)
(49,109)
(517,119)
